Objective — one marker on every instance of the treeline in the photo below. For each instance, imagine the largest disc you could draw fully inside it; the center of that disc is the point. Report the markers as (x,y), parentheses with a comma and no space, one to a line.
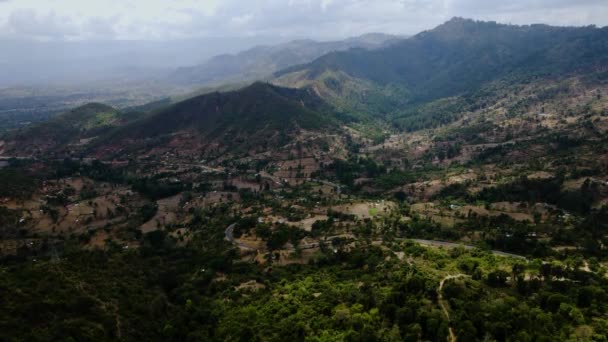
(530,190)
(588,236)
(346,171)
(154,187)
(162,292)
(17,184)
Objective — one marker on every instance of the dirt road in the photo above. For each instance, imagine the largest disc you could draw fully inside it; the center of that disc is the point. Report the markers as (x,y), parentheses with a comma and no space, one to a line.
(444,305)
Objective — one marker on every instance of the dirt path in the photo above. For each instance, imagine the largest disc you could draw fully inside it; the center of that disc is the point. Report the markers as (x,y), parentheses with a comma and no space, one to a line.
(444,305)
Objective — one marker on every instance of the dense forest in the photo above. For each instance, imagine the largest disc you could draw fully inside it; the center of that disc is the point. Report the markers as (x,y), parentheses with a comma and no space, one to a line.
(164,292)
(450,186)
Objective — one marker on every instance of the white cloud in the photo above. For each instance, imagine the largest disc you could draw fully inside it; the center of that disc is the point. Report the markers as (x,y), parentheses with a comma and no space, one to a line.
(161,19)
(242,20)
(27,23)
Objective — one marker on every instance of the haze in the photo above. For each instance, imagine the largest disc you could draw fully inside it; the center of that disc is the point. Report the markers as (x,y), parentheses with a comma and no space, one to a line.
(75,41)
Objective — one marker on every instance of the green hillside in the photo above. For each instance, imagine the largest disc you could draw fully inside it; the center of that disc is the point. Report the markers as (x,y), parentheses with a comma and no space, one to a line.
(257,110)
(74,127)
(452,187)
(461,55)
(261,61)
(83,118)
(462,58)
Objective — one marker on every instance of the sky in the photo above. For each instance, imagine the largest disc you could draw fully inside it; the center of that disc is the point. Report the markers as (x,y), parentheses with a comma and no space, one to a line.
(58,20)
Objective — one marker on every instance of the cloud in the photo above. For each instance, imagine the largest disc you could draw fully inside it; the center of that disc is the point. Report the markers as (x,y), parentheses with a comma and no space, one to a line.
(339,18)
(101,28)
(160,19)
(501,6)
(27,23)
(555,12)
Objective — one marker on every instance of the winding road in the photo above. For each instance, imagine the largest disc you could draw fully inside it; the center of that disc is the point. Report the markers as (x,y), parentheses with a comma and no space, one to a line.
(434,243)
(229,236)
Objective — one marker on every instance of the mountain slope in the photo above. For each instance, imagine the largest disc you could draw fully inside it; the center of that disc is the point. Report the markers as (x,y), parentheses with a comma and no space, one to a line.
(260,114)
(261,61)
(439,75)
(82,122)
(462,55)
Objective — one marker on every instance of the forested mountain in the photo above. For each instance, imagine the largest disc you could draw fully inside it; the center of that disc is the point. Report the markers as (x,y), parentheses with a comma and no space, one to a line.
(453,68)
(260,108)
(68,128)
(135,85)
(450,186)
(462,54)
(261,61)
(260,113)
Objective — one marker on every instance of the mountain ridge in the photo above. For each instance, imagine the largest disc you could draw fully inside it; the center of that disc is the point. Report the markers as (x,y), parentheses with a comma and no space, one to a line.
(436,61)
(262,60)
(457,64)
(260,114)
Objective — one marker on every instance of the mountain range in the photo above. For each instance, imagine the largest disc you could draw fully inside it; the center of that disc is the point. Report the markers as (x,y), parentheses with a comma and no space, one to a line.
(426,81)
(457,58)
(126,74)
(262,61)
(447,186)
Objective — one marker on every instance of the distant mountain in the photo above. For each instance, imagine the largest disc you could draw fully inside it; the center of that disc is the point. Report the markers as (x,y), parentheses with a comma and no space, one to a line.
(260,115)
(124,74)
(43,63)
(430,80)
(261,61)
(457,58)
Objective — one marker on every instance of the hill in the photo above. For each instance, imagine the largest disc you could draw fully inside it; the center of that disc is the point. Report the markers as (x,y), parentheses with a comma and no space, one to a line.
(457,58)
(130,85)
(78,124)
(258,115)
(451,187)
(261,61)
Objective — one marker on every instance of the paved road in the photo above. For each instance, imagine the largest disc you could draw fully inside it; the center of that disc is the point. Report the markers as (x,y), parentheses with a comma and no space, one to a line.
(328,183)
(229,236)
(456,245)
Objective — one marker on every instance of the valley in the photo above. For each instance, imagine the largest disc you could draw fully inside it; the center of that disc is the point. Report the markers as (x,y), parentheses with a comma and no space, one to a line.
(447,186)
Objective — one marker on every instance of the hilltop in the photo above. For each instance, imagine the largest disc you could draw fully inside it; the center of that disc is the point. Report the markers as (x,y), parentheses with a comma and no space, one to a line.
(457,58)
(78,124)
(261,61)
(258,117)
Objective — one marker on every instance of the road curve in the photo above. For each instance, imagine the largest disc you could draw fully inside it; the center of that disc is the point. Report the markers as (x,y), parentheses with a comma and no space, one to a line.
(229,236)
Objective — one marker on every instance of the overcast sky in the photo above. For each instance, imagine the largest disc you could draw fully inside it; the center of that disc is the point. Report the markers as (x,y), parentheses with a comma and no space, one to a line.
(321,19)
